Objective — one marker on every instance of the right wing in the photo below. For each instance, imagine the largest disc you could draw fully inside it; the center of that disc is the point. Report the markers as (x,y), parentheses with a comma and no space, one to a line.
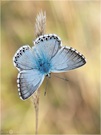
(67,59)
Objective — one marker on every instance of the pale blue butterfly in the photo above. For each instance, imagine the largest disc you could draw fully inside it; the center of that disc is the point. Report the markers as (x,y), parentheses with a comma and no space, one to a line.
(46,56)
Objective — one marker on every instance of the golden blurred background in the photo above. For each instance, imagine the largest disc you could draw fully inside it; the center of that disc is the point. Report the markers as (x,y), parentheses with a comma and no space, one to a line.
(68,107)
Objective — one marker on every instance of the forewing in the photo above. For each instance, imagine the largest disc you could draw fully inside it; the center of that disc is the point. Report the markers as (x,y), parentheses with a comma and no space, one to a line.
(24,59)
(47,46)
(28,82)
(67,59)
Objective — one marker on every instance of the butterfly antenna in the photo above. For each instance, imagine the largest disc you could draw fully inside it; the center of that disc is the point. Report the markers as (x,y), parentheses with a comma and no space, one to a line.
(46,87)
(61,78)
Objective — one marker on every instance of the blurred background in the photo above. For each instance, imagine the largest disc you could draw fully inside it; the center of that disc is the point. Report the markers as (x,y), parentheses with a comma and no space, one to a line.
(71,107)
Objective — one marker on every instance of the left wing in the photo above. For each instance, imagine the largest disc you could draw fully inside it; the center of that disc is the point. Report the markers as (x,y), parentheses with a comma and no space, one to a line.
(28,81)
(24,59)
(67,59)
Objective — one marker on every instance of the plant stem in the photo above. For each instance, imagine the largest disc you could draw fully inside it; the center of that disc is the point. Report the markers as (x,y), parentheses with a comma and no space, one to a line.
(39,30)
(36,106)
(37,112)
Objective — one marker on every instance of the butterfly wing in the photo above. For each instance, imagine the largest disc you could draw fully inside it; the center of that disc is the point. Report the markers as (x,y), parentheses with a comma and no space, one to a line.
(30,78)
(67,59)
(24,59)
(28,81)
(47,46)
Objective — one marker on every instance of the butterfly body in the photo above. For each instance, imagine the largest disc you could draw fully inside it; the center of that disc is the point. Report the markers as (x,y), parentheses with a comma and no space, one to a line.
(46,56)
(43,65)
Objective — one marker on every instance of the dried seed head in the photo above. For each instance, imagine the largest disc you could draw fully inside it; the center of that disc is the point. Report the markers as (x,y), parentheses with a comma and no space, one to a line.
(40,24)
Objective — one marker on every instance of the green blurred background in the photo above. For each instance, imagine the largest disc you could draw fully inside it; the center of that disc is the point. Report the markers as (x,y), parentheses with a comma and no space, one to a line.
(72,107)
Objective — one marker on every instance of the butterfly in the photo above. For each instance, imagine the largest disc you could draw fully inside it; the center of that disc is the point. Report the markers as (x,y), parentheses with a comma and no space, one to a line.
(45,57)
